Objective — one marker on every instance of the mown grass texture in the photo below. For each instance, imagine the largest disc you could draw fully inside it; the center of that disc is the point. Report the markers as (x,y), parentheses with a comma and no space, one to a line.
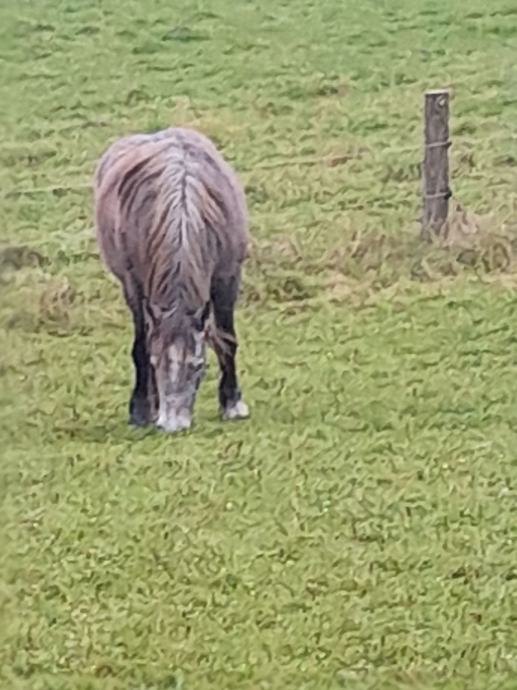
(359,531)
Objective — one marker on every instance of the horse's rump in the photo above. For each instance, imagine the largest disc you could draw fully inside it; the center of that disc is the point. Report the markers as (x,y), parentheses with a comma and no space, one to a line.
(170,213)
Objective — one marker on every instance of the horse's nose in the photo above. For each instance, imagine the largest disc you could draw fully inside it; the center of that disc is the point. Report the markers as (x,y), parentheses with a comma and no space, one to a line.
(175,423)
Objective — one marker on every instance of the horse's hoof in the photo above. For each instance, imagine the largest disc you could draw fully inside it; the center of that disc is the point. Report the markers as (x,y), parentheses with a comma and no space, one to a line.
(138,422)
(139,412)
(236,410)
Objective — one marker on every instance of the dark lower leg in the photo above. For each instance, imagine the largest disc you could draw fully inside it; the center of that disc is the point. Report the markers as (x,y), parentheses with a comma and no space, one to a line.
(229,391)
(141,402)
(139,405)
(223,301)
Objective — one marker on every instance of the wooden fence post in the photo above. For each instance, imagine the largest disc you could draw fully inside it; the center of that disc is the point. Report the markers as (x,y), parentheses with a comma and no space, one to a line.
(436,190)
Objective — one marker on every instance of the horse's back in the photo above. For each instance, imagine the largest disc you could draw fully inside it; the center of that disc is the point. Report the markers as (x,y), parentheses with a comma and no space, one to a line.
(141,162)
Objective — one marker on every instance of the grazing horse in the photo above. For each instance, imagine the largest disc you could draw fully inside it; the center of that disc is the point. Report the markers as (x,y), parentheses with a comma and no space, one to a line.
(172,226)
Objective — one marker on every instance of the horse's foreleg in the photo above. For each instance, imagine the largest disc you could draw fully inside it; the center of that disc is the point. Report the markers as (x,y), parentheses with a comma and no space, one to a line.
(143,398)
(224,296)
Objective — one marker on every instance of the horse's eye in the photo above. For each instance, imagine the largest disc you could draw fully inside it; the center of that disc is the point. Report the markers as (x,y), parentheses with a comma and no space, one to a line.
(199,321)
(196,367)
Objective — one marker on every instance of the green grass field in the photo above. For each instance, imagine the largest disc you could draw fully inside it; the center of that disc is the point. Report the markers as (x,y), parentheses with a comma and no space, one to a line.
(360,530)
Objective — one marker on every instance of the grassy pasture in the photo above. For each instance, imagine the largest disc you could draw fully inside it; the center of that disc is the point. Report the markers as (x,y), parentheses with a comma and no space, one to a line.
(360,530)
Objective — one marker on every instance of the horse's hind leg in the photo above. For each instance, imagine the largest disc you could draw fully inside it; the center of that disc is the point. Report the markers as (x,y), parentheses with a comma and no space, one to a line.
(143,398)
(224,296)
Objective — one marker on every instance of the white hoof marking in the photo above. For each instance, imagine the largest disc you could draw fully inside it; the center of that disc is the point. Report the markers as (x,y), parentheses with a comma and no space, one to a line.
(238,410)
